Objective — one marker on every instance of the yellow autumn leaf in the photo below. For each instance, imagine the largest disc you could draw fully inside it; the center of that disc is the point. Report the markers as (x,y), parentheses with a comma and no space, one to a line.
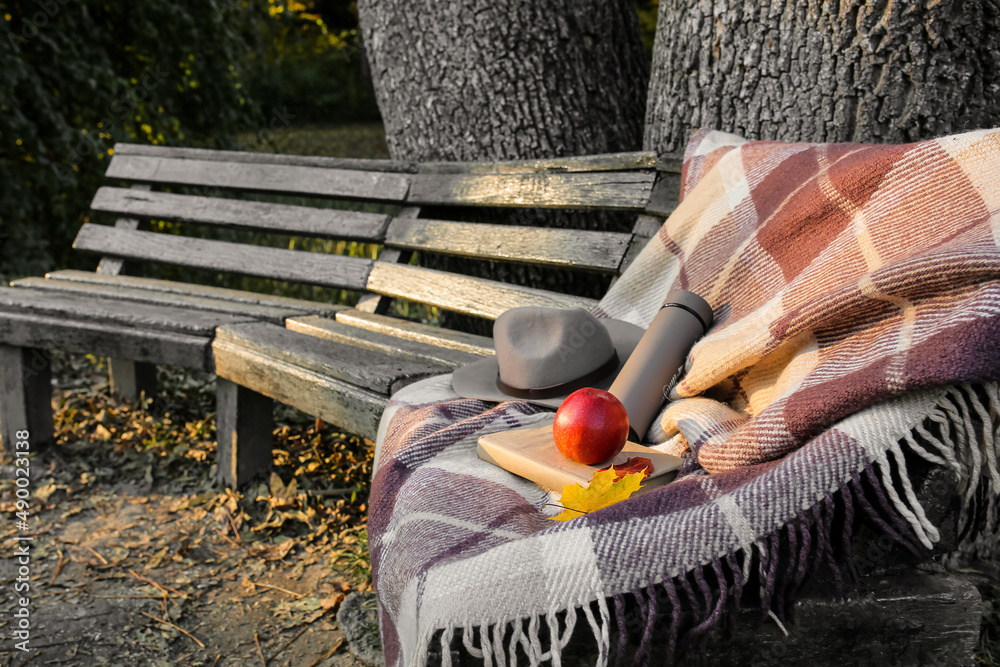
(603,491)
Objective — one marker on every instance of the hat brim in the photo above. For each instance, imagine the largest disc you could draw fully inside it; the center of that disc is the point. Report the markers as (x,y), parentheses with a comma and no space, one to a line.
(479,379)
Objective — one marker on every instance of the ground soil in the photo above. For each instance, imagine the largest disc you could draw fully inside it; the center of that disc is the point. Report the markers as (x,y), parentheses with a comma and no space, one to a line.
(139,558)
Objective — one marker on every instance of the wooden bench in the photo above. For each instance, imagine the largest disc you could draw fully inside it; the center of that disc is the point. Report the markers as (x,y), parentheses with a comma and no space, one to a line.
(338,363)
(343,363)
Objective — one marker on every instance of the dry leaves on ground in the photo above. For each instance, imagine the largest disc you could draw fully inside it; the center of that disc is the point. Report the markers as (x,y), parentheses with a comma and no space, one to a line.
(139,557)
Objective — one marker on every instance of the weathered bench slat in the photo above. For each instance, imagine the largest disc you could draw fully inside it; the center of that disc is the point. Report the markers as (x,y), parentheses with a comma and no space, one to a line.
(289,179)
(292,265)
(535,245)
(645,227)
(131,294)
(472,296)
(172,287)
(114,266)
(130,380)
(362,367)
(179,152)
(666,195)
(125,314)
(605,162)
(481,346)
(670,163)
(327,329)
(344,369)
(279,218)
(348,406)
(105,339)
(577,190)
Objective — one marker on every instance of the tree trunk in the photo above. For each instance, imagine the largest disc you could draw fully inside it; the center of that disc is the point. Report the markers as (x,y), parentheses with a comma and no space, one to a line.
(506,79)
(800,70)
(503,80)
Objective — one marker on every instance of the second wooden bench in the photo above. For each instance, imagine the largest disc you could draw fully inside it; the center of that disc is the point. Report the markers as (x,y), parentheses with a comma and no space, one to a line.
(341,364)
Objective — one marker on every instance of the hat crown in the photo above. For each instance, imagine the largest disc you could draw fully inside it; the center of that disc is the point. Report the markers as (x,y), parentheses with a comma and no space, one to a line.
(541,347)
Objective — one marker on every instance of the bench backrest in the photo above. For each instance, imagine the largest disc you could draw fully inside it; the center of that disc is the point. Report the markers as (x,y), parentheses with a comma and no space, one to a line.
(637,182)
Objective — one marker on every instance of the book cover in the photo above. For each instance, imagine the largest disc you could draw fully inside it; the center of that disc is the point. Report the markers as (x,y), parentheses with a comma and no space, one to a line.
(531,453)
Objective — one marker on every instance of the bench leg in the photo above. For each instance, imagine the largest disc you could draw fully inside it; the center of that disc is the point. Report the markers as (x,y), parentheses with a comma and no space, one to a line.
(245,423)
(130,380)
(25,397)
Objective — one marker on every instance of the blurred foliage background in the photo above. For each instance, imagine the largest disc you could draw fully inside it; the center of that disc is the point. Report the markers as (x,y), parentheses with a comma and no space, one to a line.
(77,76)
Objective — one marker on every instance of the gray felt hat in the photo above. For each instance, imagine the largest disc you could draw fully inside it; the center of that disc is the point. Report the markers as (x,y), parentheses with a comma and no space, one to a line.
(545,354)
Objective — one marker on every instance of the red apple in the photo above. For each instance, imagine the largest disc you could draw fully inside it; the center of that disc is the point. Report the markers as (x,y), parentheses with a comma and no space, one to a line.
(591,426)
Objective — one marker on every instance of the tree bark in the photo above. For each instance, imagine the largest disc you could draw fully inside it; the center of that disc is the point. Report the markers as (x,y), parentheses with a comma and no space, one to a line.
(503,80)
(506,79)
(801,70)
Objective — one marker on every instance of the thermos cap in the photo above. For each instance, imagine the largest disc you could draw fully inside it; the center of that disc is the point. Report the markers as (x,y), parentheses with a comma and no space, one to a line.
(692,303)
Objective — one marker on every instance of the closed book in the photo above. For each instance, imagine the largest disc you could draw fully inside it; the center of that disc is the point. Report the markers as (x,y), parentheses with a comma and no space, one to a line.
(531,453)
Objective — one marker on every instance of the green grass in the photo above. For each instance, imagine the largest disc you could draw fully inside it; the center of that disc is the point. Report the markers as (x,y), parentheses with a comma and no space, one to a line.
(358,140)
(354,552)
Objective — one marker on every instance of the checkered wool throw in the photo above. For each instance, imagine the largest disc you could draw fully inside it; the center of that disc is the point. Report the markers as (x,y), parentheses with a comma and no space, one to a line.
(857,301)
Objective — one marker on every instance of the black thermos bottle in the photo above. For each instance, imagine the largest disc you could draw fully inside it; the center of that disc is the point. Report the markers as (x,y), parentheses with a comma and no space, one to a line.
(658,360)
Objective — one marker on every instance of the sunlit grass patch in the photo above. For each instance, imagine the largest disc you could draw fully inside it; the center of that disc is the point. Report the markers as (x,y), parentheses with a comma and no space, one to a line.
(355,140)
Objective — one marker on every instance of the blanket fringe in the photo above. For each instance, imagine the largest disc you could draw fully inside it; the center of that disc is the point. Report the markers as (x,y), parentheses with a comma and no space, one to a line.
(961,432)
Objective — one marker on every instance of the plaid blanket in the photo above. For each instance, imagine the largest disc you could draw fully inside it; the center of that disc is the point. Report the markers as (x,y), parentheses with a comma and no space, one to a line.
(857,303)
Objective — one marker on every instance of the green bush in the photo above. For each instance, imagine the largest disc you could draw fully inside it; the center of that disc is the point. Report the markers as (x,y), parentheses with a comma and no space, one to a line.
(76,77)
(311,69)
(647,11)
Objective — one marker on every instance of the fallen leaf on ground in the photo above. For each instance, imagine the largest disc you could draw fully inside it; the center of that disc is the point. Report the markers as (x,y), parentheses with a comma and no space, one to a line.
(157,559)
(46,490)
(304,604)
(306,610)
(280,551)
(330,603)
